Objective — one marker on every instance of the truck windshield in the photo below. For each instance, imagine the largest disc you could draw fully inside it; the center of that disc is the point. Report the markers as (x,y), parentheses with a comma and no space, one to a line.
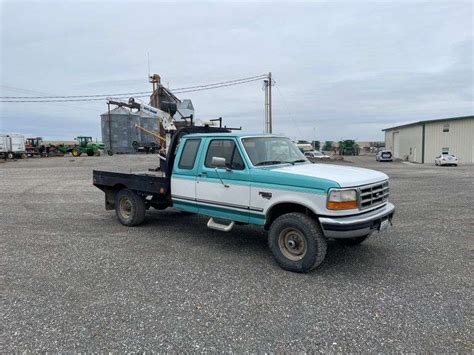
(272,150)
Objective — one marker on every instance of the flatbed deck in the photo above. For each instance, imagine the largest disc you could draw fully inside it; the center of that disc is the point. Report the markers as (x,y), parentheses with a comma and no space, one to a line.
(146,184)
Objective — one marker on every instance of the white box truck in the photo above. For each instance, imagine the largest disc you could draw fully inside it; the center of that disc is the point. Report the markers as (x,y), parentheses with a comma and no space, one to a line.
(4,145)
(12,145)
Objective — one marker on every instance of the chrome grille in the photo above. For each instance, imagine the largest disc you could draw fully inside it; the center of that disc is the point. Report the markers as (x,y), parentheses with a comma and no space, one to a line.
(373,195)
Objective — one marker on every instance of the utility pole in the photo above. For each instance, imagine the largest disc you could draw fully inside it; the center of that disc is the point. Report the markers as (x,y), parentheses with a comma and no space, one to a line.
(268,103)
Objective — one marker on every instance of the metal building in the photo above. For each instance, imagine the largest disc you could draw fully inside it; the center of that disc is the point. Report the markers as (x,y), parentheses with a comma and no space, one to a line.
(421,142)
(118,130)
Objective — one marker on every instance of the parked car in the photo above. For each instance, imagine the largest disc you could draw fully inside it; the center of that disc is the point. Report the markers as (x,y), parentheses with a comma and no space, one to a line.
(446,159)
(384,155)
(316,154)
(238,179)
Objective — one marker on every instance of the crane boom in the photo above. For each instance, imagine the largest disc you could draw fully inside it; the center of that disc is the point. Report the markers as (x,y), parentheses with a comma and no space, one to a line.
(165,118)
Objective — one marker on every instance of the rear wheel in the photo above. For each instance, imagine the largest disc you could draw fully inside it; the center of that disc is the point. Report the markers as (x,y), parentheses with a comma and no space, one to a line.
(353,241)
(10,156)
(297,242)
(89,154)
(129,208)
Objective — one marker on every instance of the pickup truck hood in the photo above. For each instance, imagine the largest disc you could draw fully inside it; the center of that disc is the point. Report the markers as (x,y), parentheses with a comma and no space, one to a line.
(345,176)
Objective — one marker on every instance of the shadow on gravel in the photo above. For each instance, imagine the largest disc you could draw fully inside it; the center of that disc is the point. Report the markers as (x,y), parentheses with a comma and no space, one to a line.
(359,259)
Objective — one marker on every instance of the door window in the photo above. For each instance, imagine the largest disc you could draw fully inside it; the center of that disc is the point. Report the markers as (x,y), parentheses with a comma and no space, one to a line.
(188,156)
(224,148)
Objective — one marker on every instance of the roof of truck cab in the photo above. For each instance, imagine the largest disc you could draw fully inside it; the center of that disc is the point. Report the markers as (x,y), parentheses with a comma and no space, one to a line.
(232,134)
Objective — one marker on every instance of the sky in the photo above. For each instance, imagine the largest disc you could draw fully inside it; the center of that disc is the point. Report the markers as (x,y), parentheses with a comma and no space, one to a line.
(342,69)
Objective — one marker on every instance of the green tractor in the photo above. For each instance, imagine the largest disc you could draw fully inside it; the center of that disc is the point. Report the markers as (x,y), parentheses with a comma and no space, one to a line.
(348,147)
(86,145)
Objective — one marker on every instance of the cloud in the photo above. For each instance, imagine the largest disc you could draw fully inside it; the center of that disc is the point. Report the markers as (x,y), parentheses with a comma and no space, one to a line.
(342,69)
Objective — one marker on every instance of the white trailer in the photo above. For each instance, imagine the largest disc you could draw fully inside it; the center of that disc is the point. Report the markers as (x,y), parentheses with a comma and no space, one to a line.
(4,145)
(12,145)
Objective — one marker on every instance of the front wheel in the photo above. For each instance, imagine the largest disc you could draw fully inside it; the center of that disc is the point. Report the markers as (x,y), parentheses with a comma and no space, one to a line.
(129,208)
(353,241)
(76,152)
(297,242)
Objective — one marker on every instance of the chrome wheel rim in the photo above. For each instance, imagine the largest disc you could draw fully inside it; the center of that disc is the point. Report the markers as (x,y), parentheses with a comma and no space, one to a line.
(292,244)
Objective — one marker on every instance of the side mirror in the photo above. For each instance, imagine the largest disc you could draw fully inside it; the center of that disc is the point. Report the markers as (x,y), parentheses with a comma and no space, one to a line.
(218,162)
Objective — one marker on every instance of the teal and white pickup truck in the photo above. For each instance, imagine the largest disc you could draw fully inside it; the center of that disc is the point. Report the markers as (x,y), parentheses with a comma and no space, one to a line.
(257,179)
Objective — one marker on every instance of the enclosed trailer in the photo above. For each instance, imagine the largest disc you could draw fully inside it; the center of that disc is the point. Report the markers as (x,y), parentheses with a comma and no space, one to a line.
(12,145)
(17,144)
(4,145)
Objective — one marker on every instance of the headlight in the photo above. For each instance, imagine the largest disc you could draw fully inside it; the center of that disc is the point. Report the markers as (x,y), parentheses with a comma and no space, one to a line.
(342,199)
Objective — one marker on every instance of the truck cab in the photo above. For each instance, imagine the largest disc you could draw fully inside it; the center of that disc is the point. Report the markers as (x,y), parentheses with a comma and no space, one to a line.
(265,180)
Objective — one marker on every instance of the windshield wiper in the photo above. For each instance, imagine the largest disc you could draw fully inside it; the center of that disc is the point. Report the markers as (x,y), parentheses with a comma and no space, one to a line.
(297,161)
(269,162)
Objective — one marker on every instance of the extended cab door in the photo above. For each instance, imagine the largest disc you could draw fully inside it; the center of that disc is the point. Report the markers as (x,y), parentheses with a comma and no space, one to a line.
(183,177)
(223,192)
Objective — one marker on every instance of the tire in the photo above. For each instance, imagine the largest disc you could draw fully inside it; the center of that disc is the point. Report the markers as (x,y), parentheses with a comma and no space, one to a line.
(135,145)
(89,154)
(129,208)
(297,242)
(110,153)
(10,156)
(76,152)
(353,241)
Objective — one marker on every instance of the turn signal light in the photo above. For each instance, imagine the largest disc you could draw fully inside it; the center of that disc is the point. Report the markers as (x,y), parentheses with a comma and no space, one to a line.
(341,205)
(342,199)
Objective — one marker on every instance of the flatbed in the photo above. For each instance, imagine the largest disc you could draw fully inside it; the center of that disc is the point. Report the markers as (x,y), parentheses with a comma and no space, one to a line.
(153,184)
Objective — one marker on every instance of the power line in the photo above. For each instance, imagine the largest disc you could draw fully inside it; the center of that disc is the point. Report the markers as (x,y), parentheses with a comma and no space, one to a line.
(70,100)
(75,96)
(99,97)
(257,77)
(216,87)
(63,104)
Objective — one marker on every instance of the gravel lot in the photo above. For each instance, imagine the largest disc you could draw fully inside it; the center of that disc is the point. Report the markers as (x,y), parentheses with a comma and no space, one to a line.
(73,278)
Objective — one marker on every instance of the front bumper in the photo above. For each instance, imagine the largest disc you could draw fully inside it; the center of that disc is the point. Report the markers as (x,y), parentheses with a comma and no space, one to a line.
(448,162)
(356,226)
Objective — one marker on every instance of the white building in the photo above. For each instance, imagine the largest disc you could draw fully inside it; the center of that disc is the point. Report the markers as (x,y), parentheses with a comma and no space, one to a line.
(422,141)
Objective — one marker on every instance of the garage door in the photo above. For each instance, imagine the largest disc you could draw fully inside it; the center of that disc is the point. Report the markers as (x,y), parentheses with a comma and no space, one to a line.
(396,144)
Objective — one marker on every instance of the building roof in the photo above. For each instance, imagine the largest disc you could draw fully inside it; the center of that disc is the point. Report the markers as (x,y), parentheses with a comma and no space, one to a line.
(430,121)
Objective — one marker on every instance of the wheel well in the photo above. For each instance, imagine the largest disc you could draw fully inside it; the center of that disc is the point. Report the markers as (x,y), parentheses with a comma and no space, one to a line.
(110,193)
(284,208)
(118,187)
